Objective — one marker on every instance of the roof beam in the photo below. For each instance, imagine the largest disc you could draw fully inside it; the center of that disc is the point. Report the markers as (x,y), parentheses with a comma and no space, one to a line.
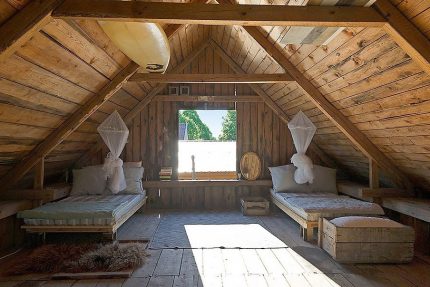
(268,101)
(203,14)
(148,98)
(406,35)
(208,99)
(67,127)
(19,29)
(211,78)
(337,117)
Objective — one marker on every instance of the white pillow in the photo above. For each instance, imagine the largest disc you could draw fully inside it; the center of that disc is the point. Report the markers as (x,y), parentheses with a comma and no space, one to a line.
(89,180)
(133,179)
(324,179)
(283,179)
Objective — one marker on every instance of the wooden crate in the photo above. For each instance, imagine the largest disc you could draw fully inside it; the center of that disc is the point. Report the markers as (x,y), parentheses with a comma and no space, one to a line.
(254,206)
(367,244)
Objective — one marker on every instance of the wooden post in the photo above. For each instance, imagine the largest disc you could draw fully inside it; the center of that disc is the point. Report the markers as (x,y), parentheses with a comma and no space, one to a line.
(39,174)
(373,174)
(39,177)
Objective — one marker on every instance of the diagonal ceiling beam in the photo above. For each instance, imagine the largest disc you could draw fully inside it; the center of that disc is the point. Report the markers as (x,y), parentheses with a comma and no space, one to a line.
(339,119)
(201,14)
(148,98)
(406,35)
(268,101)
(67,127)
(18,29)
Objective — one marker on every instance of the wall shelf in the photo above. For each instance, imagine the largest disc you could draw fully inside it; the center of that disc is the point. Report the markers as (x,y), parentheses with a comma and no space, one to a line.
(205,183)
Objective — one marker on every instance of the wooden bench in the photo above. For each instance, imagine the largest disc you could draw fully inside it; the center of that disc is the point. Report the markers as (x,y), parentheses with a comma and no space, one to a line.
(414,207)
(365,193)
(379,241)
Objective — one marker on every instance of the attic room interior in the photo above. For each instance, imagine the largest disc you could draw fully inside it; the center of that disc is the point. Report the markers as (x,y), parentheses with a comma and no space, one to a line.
(215,143)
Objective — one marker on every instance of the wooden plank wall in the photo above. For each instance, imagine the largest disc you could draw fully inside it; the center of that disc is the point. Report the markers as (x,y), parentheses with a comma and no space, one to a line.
(363,73)
(153,136)
(52,75)
(209,198)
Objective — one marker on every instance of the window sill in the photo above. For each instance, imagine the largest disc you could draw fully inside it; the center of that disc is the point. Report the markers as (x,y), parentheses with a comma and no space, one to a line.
(205,183)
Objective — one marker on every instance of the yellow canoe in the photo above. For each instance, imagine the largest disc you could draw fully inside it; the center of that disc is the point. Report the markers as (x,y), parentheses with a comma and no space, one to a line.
(144,43)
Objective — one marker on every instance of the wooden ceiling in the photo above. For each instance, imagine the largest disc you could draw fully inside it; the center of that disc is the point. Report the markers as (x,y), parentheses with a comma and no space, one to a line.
(362,72)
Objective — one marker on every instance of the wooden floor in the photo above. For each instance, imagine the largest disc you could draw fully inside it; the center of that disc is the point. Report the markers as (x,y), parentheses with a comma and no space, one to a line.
(297,264)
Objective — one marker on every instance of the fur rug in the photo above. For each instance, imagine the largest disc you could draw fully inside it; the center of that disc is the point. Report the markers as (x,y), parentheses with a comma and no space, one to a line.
(77,258)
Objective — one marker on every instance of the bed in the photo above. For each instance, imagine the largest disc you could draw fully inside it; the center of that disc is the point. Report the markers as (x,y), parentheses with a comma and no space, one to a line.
(83,213)
(307,208)
(307,203)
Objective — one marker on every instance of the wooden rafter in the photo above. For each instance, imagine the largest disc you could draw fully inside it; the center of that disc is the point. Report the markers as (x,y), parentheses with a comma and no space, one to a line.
(406,35)
(373,174)
(202,14)
(17,30)
(67,127)
(208,99)
(211,78)
(148,98)
(268,101)
(339,119)
(27,22)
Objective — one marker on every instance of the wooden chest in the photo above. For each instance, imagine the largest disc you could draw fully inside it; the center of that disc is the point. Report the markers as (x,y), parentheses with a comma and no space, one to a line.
(254,206)
(367,244)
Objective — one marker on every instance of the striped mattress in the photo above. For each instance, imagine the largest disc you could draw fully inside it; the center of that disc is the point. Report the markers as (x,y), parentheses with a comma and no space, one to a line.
(82,210)
(311,207)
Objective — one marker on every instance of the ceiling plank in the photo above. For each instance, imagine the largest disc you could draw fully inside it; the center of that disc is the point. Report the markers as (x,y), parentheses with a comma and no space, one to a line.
(208,99)
(269,102)
(148,98)
(406,35)
(339,119)
(211,78)
(19,29)
(203,14)
(67,127)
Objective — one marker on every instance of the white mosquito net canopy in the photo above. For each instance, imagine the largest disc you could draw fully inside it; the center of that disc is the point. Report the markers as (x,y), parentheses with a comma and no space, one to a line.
(114,133)
(302,131)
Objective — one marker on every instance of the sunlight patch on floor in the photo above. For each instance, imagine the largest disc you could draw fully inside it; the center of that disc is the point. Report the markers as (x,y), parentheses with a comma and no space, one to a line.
(262,258)
(231,236)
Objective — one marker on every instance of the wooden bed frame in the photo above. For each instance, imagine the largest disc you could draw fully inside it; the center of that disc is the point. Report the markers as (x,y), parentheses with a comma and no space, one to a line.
(306,227)
(107,230)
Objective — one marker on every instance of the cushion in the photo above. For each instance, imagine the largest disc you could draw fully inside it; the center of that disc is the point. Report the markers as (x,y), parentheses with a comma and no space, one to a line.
(89,180)
(132,164)
(283,179)
(364,221)
(133,179)
(324,179)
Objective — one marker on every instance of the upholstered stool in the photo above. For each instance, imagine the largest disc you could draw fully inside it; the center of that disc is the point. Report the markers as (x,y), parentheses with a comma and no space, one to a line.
(360,239)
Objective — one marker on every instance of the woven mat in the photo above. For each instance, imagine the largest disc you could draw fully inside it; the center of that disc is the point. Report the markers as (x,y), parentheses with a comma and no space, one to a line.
(213,230)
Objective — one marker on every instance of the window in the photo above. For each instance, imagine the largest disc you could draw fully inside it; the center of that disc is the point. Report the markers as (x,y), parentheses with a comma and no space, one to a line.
(207,138)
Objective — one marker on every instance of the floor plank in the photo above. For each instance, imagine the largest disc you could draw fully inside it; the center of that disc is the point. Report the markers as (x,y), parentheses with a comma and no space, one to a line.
(301,264)
(253,263)
(169,262)
(192,262)
(193,280)
(161,281)
(147,269)
(213,264)
(136,282)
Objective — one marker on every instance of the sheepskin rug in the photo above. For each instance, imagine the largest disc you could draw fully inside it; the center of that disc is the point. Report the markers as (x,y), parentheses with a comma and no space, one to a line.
(78,258)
